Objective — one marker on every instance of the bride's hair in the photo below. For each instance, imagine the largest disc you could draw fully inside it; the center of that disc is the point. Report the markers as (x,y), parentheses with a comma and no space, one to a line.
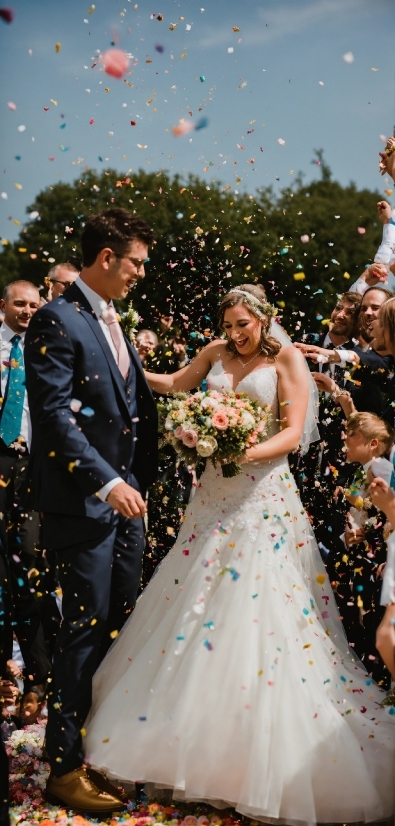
(253,297)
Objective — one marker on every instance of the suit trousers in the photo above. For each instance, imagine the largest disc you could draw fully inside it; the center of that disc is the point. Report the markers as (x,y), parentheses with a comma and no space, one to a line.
(22,534)
(99,571)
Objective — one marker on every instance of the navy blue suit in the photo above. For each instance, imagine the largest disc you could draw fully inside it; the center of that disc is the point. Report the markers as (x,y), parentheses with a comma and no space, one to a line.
(89,425)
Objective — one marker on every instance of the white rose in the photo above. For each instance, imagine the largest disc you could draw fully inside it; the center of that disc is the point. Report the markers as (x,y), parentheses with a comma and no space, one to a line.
(169,424)
(247,419)
(206,446)
(209,402)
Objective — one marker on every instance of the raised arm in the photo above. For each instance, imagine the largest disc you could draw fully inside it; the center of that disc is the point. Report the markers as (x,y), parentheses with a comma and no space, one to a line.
(293,396)
(190,376)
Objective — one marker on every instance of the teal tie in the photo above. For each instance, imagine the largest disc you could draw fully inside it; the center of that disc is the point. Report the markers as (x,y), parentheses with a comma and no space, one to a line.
(11,412)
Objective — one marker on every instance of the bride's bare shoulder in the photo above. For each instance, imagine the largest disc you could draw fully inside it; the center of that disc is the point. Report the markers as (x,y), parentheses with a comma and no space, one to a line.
(290,357)
(215,350)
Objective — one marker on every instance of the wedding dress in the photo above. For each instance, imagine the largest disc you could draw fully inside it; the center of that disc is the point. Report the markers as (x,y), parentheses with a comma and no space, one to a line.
(232,681)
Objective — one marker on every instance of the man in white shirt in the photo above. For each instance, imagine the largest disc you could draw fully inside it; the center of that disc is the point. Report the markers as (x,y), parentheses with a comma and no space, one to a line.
(20,301)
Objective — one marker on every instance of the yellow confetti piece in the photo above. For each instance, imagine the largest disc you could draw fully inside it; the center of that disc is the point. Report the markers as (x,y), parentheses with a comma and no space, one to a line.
(22,249)
(55,102)
(260,672)
(71,466)
(43,350)
(106,740)
(18,186)
(51,454)
(191,217)
(94,621)
(92,9)
(388,192)
(83,732)
(4,484)
(299,276)
(4,242)
(308,645)
(106,88)
(359,602)
(346,275)
(16,222)
(57,47)
(320,578)
(114,634)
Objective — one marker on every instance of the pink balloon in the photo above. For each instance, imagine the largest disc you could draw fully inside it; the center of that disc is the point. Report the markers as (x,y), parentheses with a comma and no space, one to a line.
(115,62)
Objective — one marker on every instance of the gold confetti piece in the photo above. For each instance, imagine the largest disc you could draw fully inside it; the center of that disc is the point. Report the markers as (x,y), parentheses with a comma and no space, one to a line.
(71,466)
(51,454)
(4,484)
(260,672)
(106,88)
(191,217)
(94,621)
(106,740)
(22,249)
(55,102)
(18,186)
(172,27)
(83,732)
(92,9)
(308,645)
(299,276)
(43,350)
(114,634)
(57,47)
(320,578)
(346,275)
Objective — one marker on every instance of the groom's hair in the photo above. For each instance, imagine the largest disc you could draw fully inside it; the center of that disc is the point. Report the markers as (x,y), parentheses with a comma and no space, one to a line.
(113,228)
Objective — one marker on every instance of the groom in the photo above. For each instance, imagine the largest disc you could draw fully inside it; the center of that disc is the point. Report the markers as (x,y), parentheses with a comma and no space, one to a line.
(94,452)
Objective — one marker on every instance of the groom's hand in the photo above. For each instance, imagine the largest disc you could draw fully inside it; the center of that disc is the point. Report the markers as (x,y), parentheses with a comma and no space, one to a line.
(127,501)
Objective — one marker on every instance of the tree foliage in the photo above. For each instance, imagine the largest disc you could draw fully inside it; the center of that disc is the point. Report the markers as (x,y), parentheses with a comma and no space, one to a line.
(208,239)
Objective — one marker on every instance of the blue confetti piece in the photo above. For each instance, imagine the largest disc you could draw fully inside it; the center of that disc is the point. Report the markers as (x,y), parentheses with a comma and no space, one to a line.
(62,126)
(208,645)
(210,625)
(201,124)
(234,574)
(159,48)
(18,157)
(327,681)
(20,582)
(265,515)
(303,679)
(87,411)
(100,158)
(180,215)
(202,78)
(254,596)
(180,637)
(392,710)
(344,679)
(305,611)
(142,718)
(368,682)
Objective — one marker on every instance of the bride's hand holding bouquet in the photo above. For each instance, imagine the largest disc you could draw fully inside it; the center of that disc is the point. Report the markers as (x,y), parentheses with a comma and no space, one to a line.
(214,425)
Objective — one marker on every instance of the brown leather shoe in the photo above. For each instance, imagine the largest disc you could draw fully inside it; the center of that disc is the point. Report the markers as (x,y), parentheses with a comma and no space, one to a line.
(77,791)
(104,784)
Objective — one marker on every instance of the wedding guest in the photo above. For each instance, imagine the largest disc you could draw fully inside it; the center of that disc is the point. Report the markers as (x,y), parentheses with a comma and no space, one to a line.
(19,303)
(32,704)
(356,562)
(146,341)
(316,473)
(378,274)
(383,497)
(60,278)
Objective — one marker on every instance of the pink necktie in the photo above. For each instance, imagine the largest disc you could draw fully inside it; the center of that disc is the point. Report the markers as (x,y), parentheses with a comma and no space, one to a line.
(109,316)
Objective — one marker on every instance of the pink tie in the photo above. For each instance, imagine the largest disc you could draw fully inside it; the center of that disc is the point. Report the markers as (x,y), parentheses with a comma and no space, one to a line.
(109,316)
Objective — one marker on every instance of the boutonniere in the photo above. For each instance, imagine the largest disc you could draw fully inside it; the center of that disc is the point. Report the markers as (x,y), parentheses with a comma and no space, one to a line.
(130,320)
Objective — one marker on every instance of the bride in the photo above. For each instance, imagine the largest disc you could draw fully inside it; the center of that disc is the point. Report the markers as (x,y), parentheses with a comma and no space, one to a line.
(232,681)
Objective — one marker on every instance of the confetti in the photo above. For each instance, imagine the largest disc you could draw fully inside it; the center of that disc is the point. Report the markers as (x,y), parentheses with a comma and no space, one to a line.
(348,57)
(115,62)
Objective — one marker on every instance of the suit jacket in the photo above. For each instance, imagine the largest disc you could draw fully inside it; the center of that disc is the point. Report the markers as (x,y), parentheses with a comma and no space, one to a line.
(75,452)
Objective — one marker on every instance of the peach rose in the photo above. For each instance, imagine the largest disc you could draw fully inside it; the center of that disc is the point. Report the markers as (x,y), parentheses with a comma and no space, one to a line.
(189,438)
(220,420)
(179,432)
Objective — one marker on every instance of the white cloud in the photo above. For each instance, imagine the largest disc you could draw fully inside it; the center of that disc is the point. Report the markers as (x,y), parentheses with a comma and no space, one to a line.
(291,17)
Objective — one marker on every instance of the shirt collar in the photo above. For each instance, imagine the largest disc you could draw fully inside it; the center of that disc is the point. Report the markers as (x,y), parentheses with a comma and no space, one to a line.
(97,303)
(7,334)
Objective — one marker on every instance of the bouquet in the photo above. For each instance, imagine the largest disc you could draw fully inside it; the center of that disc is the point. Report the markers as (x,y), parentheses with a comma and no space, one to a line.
(28,770)
(213,425)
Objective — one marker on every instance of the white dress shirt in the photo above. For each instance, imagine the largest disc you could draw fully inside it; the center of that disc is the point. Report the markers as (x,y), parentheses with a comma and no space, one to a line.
(6,334)
(98,306)
(388,589)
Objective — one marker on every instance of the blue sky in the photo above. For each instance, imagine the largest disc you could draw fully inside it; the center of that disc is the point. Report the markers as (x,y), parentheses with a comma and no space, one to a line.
(270,86)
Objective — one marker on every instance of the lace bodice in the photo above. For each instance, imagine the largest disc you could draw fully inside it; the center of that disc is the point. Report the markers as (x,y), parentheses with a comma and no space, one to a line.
(260,385)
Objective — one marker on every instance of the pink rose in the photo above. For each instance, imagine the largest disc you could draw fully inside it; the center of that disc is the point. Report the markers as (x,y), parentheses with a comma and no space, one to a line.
(215,394)
(179,432)
(189,438)
(220,420)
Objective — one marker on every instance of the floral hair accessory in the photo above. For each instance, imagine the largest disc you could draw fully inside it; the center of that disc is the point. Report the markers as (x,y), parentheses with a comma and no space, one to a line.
(259,307)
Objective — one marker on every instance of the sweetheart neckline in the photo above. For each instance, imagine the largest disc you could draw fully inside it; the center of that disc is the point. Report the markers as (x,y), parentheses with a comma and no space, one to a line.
(219,361)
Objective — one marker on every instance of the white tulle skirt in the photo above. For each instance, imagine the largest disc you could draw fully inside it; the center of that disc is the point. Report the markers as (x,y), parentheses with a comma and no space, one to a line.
(232,682)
